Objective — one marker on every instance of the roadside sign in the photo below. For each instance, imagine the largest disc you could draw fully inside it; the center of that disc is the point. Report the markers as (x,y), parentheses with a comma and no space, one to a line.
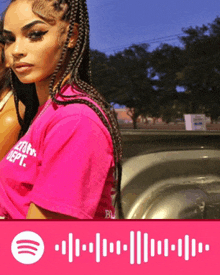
(195,122)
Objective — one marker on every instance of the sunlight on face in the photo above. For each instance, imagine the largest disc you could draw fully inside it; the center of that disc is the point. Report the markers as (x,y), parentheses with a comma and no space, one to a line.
(31,40)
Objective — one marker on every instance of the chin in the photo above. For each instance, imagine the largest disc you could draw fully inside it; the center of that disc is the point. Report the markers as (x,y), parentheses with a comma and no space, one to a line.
(27,79)
(33,77)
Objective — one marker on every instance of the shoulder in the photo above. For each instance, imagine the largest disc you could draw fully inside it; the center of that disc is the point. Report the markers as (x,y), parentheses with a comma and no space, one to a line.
(76,114)
(8,118)
(9,110)
(74,121)
(9,131)
(82,114)
(84,106)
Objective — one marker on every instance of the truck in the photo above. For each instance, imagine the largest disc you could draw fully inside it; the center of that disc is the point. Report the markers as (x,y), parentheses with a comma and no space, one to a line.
(171,175)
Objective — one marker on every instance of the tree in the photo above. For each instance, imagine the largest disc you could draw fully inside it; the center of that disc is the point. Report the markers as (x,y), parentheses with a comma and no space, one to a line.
(133,84)
(166,62)
(201,72)
(103,75)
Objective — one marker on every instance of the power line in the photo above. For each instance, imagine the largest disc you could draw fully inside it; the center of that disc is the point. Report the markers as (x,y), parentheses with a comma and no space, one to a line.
(152,41)
(164,37)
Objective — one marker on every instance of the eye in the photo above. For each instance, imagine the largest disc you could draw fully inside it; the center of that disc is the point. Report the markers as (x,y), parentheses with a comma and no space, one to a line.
(36,35)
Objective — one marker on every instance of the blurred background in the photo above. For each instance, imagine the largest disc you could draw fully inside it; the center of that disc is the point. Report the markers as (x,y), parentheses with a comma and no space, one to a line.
(156,60)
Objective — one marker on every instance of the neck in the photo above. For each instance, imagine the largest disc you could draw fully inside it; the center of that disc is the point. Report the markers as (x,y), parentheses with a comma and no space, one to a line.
(42,89)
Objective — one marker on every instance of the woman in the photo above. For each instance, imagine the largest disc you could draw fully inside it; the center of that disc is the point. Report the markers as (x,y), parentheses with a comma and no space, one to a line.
(63,166)
(9,125)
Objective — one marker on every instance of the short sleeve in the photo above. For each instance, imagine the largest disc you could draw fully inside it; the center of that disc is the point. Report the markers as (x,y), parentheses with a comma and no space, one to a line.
(76,158)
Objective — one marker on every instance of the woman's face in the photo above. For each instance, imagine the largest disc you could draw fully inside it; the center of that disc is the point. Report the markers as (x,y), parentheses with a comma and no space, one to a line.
(33,47)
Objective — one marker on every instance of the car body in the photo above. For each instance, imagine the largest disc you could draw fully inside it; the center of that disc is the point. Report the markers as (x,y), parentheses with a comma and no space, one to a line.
(171,175)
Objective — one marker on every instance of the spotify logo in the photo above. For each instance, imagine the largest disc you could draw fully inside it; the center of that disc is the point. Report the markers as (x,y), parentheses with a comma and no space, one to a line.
(27,247)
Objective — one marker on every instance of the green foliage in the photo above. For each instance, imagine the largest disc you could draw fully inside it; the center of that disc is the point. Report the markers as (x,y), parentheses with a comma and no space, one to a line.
(123,78)
(201,72)
(146,82)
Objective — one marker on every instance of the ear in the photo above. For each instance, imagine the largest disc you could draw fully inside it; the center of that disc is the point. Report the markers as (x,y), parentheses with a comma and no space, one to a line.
(74,37)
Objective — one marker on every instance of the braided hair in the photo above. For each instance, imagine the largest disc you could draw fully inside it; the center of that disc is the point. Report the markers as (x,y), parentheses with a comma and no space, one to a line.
(79,69)
(4,72)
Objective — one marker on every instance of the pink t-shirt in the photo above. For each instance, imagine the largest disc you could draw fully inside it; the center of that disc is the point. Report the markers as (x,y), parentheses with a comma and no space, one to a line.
(64,163)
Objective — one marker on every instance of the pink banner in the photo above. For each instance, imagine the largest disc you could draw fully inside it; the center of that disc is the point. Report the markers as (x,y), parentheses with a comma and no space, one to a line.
(109,247)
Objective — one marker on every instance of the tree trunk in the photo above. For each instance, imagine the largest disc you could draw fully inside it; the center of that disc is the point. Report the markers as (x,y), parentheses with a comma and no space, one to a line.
(146,122)
(134,116)
(134,120)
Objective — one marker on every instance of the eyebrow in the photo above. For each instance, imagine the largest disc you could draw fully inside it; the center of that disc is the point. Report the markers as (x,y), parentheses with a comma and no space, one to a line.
(27,27)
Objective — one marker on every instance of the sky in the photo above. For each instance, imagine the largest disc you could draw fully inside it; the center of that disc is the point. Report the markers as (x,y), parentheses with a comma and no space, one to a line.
(117,24)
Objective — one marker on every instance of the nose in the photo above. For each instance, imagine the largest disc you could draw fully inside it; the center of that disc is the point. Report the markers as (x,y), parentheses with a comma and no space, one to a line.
(18,50)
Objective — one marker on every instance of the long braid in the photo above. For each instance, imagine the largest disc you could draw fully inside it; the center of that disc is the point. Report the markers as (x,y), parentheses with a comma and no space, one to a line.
(53,78)
(87,56)
(80,68)
(16,100)
(74,65)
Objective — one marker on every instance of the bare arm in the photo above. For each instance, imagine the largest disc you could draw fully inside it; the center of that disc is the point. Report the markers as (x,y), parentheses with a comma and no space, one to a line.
(9,127)
(36,212)
(9,130)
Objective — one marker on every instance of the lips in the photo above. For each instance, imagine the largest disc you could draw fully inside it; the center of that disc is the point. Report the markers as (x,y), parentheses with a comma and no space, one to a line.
(22,67)
(22,64)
